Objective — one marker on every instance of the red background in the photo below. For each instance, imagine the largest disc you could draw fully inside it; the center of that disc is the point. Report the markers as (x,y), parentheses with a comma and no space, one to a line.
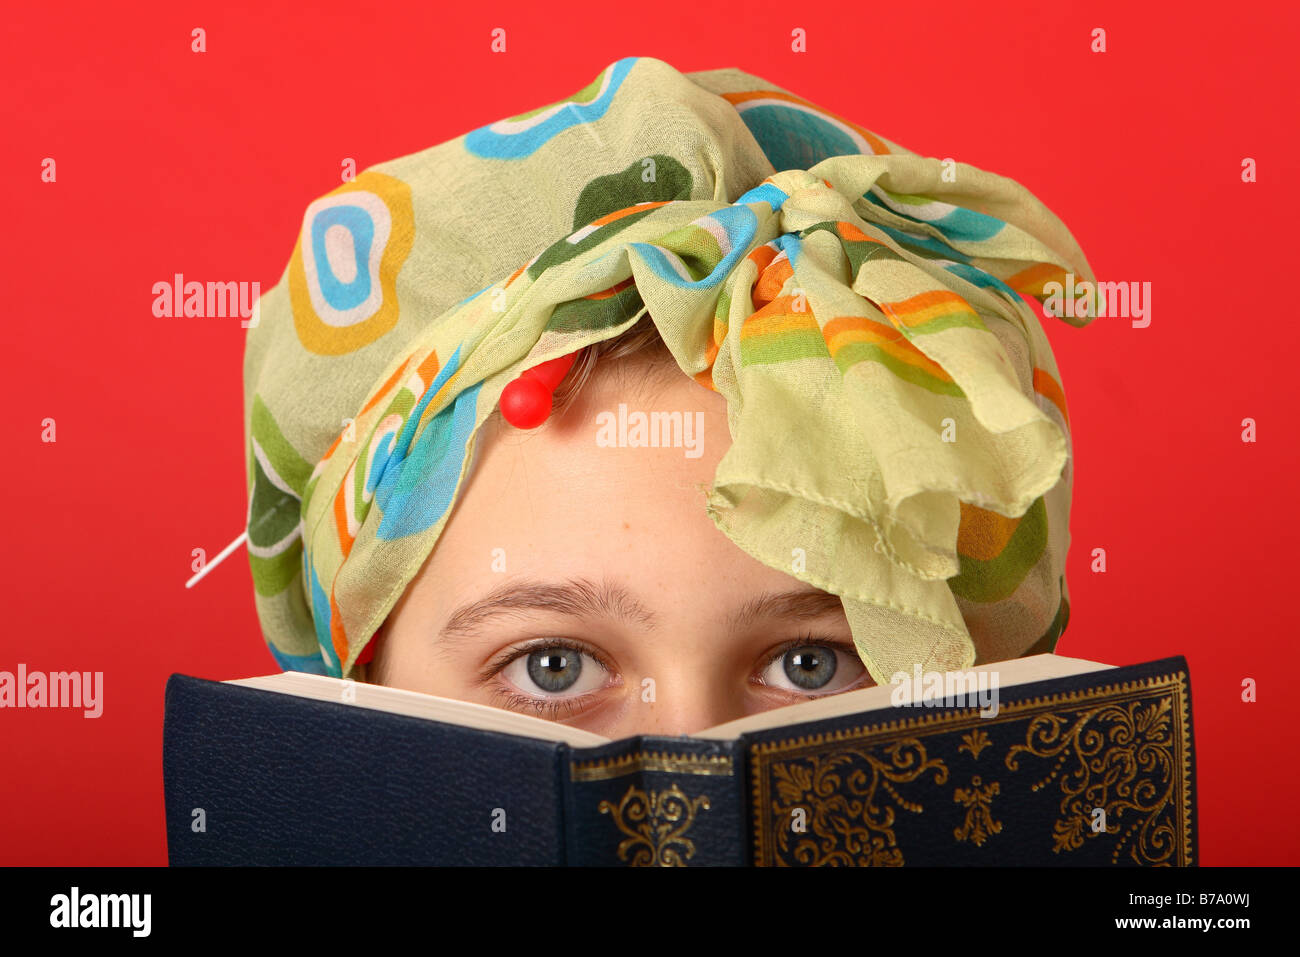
(171,161)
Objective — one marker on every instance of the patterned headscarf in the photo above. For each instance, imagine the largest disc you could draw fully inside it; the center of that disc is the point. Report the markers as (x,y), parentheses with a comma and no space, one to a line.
(899,430)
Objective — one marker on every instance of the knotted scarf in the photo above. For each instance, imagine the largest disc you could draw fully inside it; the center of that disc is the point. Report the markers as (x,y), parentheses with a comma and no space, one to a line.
(899,430)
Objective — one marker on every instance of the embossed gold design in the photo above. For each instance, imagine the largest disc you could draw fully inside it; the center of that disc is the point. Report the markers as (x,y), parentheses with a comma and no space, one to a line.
(979,825)
(655,823)
(1119,757)
(607,768)
(975,742)
(852,795)
(1169,839)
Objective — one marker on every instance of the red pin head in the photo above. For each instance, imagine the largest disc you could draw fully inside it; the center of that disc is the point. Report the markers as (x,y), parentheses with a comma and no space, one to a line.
(526,403)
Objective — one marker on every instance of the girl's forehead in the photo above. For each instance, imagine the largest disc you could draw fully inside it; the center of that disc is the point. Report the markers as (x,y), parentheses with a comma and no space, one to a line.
(607,460)
(612,487)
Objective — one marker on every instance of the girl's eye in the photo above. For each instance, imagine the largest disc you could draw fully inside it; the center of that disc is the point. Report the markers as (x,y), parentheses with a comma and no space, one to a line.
(555,670)
(813,668)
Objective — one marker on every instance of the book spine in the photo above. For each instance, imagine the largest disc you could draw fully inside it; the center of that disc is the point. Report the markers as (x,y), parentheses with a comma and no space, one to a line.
(656,802)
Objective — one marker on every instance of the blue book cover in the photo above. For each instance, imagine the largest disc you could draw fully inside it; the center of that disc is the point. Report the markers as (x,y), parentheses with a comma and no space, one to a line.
(1091,768)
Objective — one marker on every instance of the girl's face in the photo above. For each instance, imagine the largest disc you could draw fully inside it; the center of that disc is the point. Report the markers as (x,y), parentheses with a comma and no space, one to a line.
(583,582)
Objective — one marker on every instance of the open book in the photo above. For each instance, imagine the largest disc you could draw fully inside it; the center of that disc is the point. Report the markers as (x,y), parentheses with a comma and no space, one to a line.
(1028,761)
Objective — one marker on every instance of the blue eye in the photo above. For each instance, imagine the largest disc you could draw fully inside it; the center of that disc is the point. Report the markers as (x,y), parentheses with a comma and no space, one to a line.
(555,669)
(813,669)
(558,671)
(809,668)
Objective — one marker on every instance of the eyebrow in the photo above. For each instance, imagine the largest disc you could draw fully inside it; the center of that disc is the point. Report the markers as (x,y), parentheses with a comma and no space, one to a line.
(583,598)
(786,605)
(578,597)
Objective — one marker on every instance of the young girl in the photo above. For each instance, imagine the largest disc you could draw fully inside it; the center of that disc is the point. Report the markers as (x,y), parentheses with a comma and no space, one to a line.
(677,400)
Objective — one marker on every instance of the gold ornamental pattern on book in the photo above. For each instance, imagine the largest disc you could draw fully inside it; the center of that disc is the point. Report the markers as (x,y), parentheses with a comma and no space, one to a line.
(1116,754)
(656,823)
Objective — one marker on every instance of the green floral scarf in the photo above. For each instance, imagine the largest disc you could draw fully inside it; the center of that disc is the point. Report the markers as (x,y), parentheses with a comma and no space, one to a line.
(899,430)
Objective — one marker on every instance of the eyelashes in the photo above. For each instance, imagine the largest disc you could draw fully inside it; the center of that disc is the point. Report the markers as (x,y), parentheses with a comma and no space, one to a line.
(510,655)
(808,641)
(553,708)
(518,663)
(815,675)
